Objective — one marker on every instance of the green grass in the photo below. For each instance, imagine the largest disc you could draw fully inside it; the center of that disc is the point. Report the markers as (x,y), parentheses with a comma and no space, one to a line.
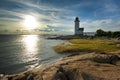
(87,45)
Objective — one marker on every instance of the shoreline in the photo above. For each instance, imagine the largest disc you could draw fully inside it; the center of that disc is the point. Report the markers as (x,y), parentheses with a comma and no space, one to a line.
(45,65)
(75,66)
(23,58)
(89,64)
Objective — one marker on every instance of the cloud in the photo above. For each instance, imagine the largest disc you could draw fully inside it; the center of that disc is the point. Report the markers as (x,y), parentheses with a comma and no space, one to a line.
(43,7)
(56,30)
(105,24)
(111,7)
(43,13)
(108,9)
(53,15)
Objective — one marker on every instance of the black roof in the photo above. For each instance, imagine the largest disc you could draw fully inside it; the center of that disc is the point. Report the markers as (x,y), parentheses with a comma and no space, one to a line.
(81,28)
(77,19)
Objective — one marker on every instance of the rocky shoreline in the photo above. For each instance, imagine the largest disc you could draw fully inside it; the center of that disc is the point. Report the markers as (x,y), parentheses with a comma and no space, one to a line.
(87,66)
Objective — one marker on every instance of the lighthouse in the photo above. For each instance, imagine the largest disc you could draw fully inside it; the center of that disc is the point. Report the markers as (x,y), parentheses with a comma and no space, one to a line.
(78,30)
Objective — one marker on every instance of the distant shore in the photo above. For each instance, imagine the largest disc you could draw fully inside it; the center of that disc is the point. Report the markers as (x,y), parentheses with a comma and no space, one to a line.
(67,37)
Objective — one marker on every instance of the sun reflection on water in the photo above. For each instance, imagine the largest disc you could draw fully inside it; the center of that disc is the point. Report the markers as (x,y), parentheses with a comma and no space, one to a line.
(30,43)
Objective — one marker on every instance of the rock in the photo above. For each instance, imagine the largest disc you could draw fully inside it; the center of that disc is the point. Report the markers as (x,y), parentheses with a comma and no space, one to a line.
(103,58)
(91,66)
(118,45)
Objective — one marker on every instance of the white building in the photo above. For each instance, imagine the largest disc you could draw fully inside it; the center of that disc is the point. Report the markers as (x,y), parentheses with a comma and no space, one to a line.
(78,30)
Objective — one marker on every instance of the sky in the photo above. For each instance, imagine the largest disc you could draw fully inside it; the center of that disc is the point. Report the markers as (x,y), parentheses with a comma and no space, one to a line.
(59,15)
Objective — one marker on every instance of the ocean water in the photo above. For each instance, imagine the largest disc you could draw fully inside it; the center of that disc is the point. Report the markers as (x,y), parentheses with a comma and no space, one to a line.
(21,52)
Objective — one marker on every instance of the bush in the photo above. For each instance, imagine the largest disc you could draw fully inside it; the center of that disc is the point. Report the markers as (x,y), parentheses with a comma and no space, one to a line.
(109,34)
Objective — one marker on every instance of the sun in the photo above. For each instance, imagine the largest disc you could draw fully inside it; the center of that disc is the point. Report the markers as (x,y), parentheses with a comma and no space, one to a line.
(30,22)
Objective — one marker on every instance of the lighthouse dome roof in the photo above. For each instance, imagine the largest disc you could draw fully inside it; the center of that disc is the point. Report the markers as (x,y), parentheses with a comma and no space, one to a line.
(77,19)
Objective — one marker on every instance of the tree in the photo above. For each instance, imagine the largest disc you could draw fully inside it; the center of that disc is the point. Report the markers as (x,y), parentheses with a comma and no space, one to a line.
(100,32)
(116,34)
(109,34)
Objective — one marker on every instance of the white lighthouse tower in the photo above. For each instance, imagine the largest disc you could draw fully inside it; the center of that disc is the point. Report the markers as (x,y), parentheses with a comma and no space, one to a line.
(78,30)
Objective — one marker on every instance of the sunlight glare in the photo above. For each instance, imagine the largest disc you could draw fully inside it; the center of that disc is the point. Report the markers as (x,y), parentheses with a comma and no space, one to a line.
(30,22)
(31,43)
